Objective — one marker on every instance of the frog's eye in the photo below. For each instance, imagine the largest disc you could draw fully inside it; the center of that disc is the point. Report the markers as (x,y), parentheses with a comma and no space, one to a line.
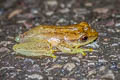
(84,38)
(17,39)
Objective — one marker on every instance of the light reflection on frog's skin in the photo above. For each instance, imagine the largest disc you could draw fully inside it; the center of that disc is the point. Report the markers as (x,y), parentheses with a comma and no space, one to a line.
(67,39)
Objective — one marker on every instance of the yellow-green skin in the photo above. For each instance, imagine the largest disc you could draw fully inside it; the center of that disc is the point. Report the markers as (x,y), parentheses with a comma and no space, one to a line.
(45,40)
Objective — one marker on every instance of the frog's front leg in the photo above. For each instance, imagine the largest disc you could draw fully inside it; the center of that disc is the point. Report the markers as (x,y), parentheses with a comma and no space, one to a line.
(50,54)
(80,50)
(67,49)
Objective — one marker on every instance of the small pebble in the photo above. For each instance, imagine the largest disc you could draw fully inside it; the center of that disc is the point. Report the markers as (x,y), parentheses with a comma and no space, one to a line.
(81,11)
(103,34)
(91,64)
(69,66)
(64,79)
(52,2)
(1,11)
(115,44)
(88,4)
(65,10)
(118,65)
(101,10)
(114,66)
(117,24)
(110,23)
(0,30)
(5,43)
(101,63)
(36,68)
(102,68)
(115,15)
(62,5)
(14,13)
(35,76)
(50,78)
(109,76)
(111,30)
(54,67)
(76,59)
(102,60)
(113,57)
(3,49)
(49,13)
(61,20)
(72,79)
(92,72)
(118,30)
(68,79)
(106,39)
(34,11)
(30,61)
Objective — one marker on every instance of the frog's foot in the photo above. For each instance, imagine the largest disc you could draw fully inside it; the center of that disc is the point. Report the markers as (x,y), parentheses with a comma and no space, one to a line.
(80,50)
(50,54)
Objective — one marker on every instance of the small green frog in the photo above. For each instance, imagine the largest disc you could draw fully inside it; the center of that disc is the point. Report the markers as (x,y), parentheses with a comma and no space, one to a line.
(45,40)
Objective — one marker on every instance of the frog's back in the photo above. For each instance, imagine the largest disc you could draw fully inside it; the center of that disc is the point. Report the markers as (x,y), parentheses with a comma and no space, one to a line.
(54,29)
(45,32)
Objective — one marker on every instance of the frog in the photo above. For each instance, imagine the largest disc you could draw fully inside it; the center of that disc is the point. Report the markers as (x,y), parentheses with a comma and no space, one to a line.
(45,40)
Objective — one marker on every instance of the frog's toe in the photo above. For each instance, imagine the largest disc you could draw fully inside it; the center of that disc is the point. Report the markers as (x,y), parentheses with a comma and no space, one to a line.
(88,49)
(83,53)
(51,55)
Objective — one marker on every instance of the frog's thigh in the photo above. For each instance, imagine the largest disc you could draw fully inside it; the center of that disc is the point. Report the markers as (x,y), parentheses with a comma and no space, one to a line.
(47,47)
(37,48)
(43,52)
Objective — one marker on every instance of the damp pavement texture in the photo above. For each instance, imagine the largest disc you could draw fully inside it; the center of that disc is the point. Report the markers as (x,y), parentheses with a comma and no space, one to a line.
(18,16)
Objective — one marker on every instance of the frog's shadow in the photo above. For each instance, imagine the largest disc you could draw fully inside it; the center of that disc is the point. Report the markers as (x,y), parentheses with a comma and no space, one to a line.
(57,54)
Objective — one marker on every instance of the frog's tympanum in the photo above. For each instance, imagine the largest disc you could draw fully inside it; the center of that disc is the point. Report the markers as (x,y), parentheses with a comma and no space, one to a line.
(45,40)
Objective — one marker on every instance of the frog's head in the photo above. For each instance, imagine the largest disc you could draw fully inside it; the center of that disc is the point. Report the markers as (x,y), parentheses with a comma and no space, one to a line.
(87,35)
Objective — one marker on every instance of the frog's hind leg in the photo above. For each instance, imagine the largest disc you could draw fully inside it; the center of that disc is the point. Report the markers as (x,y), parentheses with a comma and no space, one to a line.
(35,49)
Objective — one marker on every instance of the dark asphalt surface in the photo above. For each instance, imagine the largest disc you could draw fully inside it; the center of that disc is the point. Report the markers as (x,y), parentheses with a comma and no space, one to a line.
(18,16)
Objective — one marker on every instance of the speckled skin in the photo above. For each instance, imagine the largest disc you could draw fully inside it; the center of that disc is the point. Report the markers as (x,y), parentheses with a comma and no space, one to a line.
(66,39)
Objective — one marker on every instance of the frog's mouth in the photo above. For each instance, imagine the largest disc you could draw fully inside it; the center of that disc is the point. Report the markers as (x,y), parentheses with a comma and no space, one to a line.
(92,39)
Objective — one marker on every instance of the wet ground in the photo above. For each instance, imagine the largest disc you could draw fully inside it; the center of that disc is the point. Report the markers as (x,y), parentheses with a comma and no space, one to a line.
(18,16)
